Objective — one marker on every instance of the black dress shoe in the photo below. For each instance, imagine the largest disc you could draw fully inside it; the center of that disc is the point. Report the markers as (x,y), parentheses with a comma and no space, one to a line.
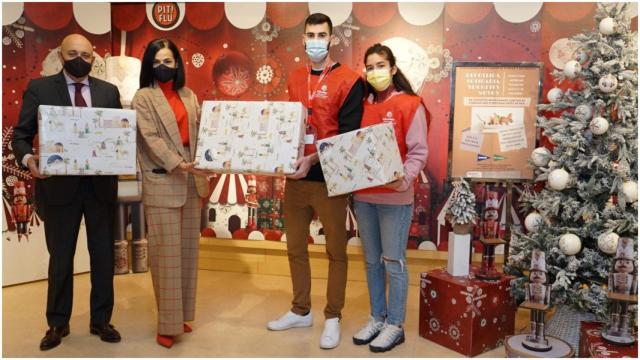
(53,337)
(106,332)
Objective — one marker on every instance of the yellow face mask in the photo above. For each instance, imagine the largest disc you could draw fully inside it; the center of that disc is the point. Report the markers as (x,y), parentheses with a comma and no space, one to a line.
(380,79)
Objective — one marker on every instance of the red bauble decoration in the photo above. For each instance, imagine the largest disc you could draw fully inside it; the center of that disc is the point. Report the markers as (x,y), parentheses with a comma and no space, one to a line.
(374,14)
(287,14)
(468,13)
(49,16)
(233,73)
(128,16)
(569,12)
(204,16)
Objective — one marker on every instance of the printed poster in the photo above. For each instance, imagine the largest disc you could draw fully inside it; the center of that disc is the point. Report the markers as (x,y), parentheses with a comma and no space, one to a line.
(494,116)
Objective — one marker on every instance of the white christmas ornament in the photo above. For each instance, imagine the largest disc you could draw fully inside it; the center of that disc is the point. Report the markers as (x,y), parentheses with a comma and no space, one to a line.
(607,26)
(583,112)
(540,156)
(570,244)
(558,179)
(572,69)
(607,83)
(599,125)
(554,95)
(608,243)
(533,221)
(630,191)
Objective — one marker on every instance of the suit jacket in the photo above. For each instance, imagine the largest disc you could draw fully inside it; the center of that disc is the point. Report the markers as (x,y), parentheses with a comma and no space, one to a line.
(160,147)
(53,90)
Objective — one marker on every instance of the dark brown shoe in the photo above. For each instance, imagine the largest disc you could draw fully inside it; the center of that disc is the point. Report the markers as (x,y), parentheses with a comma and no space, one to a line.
(106,332)
(53,337)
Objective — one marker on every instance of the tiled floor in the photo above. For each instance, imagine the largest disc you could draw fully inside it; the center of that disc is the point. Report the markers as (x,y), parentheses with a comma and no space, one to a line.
(232,312)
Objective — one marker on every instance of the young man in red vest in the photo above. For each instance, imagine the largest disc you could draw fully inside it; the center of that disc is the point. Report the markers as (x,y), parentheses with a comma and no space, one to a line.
(333,95)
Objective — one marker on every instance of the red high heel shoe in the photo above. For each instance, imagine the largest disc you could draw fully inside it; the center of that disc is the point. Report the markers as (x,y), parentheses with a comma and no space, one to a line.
(165,340)
(187,328)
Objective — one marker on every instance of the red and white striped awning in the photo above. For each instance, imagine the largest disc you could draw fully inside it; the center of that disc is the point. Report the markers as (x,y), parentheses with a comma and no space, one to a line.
(229,189)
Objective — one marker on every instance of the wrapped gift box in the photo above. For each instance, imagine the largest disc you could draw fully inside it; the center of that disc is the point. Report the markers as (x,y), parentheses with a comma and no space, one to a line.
(251,137)
(592,345)
(465,314)
(86,141)
(360,159)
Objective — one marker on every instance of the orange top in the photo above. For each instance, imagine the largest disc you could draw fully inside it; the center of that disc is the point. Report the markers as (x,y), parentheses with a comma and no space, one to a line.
(182,118)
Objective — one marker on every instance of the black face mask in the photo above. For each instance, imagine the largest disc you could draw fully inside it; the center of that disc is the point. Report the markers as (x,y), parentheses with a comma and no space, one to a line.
(163,73)
(77,67)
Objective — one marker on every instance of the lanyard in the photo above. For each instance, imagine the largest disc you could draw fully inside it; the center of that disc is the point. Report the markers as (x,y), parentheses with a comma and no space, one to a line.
(311,94)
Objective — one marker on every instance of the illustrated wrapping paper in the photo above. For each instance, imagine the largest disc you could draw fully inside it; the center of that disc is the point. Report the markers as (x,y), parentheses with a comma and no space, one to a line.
(360,159)
(251,137)
(86,141)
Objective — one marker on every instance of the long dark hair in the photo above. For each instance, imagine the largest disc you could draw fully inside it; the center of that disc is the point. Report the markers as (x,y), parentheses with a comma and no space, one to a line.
(146,70)
(400,82)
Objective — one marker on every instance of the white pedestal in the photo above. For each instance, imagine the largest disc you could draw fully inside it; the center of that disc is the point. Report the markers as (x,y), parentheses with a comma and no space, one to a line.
(458,255)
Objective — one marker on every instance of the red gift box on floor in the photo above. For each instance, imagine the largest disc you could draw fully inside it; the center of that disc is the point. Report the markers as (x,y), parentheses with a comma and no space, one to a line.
(593,345)
(467,315)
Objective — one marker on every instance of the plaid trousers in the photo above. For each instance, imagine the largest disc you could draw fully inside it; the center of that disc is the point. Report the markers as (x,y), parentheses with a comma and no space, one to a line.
(174,235)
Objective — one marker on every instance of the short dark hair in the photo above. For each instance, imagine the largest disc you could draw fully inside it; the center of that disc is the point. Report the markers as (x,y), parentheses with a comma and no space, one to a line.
(400,82)
(318,19)
(146,70)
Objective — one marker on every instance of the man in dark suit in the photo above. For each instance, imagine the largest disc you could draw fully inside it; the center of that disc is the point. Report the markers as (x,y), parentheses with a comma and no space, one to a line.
(63,200)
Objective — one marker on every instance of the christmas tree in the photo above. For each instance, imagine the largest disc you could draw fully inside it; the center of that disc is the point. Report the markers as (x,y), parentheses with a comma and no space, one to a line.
(590,197)
(462,208)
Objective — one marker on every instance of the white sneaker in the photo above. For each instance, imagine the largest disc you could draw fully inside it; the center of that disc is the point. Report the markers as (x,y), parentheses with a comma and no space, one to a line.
(389,337)
(330,337)
(291,320)
(369,332)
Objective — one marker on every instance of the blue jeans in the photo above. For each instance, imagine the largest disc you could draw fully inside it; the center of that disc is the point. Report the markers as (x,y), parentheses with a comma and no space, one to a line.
(384,230)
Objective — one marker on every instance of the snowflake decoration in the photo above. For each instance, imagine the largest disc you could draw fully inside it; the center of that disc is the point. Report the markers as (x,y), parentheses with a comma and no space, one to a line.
(454,332)
(197,60)
(14,33)
(434,324)
(264,74)
(440,63)
(265,31)
(344,33)
(269,75)
(235,81)
(535,26)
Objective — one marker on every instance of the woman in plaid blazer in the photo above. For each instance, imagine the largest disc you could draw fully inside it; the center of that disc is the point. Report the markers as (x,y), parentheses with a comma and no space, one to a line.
(168,114)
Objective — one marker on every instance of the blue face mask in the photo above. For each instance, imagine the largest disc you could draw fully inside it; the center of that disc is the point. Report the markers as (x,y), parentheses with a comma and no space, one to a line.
(317,50)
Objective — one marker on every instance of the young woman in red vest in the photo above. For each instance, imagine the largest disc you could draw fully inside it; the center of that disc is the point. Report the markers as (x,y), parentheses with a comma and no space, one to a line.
(384,213)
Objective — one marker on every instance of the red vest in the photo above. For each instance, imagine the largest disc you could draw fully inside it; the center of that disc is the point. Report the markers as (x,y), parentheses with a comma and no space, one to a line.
(399,109)
(326,103)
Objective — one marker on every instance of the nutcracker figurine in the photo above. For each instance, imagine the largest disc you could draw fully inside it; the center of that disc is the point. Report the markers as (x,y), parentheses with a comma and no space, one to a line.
(21,210)
(623,289)
(252,203)
(537,299)
(489,238)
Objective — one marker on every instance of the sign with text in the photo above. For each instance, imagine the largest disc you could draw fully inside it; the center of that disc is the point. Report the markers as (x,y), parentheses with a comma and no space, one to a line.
(493,119)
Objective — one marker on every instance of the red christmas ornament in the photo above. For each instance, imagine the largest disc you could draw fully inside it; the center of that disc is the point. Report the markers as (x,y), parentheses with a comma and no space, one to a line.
(127,16)
(233,73)
(204,16)
(374,14)
(468,13)
(49,16)
(287,14)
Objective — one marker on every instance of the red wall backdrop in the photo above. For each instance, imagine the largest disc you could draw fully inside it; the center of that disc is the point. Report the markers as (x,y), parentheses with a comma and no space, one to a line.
(225,62)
